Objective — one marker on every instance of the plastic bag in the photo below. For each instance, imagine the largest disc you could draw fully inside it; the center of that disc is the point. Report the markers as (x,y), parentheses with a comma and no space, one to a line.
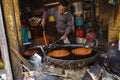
(1,64)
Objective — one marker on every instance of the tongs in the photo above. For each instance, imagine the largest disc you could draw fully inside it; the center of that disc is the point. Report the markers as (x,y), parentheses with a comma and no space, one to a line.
(53,44)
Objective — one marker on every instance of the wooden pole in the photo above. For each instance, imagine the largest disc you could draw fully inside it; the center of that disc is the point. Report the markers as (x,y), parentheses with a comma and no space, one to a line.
(4,50)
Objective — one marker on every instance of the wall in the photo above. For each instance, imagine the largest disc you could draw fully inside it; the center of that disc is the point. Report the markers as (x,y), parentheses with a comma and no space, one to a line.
(110,16)
(13,32)
(114,28)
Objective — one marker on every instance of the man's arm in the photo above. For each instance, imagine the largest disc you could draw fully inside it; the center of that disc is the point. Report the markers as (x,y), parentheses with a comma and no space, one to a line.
(46,14)
(69,24)
(69,27)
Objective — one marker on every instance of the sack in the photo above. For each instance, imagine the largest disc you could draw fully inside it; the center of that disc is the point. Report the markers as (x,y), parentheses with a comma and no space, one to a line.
(36,61)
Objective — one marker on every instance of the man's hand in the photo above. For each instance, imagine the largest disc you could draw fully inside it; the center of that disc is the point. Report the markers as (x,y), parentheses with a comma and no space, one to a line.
(63,37)
(43,22)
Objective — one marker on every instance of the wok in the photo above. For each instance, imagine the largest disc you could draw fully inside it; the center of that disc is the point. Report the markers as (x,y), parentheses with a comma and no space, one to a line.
(70,61)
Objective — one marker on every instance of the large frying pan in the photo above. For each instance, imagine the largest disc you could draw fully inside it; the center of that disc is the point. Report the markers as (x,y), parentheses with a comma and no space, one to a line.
(70,61)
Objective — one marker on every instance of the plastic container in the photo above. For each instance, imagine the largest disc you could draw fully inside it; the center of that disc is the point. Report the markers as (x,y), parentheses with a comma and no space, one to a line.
(78,7)
(80,40)
(24,35)
(79,21)
(80,33)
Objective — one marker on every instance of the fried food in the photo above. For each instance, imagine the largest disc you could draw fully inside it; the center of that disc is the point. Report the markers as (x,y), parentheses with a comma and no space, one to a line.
(82,51)
(30,52)
(58,53)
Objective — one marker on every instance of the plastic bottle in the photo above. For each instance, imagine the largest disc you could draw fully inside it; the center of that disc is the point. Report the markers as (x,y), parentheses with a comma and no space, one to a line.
(29,33)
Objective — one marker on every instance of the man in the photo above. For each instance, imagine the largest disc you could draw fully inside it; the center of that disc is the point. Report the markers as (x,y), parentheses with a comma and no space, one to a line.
(64,22)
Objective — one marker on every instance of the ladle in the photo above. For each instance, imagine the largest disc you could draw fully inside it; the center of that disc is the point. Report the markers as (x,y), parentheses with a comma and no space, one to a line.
(44,53)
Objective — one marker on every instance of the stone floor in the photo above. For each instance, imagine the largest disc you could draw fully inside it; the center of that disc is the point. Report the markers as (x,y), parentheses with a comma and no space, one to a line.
(93,72)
